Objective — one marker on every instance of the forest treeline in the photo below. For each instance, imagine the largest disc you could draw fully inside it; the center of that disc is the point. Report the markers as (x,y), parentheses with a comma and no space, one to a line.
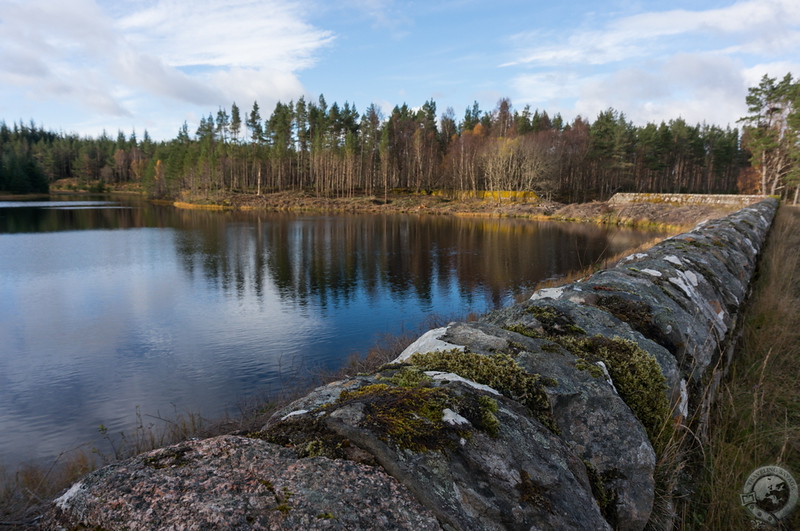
(334,150)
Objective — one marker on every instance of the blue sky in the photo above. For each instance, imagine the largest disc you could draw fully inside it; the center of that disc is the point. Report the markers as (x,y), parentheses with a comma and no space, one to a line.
(87,65)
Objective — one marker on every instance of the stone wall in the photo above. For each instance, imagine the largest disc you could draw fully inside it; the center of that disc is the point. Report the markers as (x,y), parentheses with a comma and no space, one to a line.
(687,199)
(549,414)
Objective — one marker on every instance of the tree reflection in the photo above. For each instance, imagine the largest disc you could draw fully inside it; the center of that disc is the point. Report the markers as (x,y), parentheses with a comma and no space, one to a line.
(328,261)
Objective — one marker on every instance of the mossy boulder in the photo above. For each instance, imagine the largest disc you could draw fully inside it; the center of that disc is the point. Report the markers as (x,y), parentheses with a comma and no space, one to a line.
(588,321)
(589,413)
(475,458)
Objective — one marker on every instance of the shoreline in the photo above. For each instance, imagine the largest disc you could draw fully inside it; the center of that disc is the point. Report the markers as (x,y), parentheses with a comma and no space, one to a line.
(653,215)
(659,275)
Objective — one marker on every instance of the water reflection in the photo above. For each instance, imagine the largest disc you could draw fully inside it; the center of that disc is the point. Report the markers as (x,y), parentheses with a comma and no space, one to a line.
(327,261)
(197,308)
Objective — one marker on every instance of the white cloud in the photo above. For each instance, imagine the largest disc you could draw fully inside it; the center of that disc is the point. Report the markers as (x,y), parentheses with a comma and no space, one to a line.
(19,66)
(656,66)
(46,35)
(111,59)
(776,69)
(546,86)
(760,26)
(149,73)
(698,88)
(245,86)
(235,33)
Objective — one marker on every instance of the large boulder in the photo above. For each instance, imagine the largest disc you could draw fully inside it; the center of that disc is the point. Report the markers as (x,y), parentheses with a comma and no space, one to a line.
(589,414)
(475,458)
(232,482)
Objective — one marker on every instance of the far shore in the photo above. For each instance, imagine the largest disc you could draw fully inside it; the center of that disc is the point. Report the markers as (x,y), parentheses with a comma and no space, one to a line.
(648,215)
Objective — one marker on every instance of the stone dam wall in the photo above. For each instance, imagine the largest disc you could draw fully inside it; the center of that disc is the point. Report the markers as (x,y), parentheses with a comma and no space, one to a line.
(686,199)
(548,414)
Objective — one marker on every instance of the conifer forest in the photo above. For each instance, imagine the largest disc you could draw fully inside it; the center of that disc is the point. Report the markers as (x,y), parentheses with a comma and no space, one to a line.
(333,150)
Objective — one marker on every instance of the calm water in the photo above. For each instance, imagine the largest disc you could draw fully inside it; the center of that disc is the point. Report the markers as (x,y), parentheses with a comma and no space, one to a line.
(106,306)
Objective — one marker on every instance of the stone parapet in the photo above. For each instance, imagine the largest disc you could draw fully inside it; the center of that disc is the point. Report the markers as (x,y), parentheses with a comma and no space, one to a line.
(687,199)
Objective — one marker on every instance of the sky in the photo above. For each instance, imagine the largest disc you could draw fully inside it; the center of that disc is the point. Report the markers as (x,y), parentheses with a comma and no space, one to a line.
(88,66)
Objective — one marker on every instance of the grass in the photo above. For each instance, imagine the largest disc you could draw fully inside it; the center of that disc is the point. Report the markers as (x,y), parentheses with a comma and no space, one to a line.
(603,262)
(756,418)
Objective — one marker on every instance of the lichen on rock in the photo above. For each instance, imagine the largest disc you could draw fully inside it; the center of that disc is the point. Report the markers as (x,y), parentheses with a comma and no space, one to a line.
(238,483)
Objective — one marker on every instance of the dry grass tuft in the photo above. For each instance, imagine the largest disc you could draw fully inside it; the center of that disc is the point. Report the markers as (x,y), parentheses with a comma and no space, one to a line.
(756,419)
(604,262)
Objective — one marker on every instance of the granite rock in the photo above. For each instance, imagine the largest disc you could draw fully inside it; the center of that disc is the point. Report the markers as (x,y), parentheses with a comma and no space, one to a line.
(231,482)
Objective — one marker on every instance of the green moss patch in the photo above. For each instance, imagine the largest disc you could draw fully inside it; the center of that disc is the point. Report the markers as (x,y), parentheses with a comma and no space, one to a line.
(409,418)
(532,493)
(606,500)
(308,436)
(556,322)
(405,376)
(524,331)
(636,376)
(480,411)
(498,371)
(637,314)
(591,368)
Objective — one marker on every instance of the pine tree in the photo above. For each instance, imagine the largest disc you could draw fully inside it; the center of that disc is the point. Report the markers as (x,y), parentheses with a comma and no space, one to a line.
(236,122)
(767,134)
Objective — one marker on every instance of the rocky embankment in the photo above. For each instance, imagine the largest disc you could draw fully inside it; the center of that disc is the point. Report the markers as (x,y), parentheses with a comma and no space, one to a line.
(549,414)
(664,210)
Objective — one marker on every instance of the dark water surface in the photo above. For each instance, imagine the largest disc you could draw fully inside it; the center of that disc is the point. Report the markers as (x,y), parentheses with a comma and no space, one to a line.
(110,305)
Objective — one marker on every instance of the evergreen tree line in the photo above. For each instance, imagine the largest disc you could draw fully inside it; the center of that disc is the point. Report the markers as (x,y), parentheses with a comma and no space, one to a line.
(334,150)
(20,170)
(772,137)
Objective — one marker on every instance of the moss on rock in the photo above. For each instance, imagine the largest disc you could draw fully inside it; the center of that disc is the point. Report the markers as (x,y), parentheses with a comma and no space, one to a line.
(638,315)
(606,499)
(591,368)
(408,417)
(480,411)
(524,331)
(405,376)
(636,375)
(530,492)
(556,322)
(498,371)
(308,436)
